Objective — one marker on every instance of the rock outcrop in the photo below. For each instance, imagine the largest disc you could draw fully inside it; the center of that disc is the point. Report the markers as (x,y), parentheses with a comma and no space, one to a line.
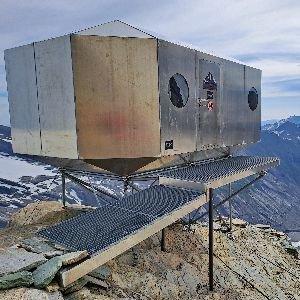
(18,259)
(251,262)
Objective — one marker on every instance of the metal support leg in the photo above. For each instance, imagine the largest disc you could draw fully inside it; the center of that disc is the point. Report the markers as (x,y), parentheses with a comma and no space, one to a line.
(227,199)
(125,186)
(163,241)
(63,186)
(211,240)
(230,207)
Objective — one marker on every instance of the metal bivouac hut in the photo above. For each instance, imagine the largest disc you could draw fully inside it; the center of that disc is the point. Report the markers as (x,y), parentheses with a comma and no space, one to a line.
(126,104)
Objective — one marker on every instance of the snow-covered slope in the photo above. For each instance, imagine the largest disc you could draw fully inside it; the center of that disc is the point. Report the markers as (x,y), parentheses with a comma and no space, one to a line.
(22,180)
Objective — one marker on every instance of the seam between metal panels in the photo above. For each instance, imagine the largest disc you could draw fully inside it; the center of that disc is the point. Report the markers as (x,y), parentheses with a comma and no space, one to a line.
(37,96)
(6,76)
(74,94)
(197,83)
(159,99)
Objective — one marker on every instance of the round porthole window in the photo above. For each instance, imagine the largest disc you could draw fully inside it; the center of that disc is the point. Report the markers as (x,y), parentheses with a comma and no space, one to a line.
(253,99)
(178,90)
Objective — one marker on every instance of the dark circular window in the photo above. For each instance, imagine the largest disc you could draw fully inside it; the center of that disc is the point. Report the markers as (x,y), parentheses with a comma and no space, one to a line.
(178,90)
(253,99)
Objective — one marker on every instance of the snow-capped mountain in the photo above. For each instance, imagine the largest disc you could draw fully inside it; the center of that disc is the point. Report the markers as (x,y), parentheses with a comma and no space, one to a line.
(274,200)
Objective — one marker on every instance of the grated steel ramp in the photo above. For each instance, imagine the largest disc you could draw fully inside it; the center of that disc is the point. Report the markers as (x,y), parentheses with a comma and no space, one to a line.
(116,227)
(96,230)
(215,171)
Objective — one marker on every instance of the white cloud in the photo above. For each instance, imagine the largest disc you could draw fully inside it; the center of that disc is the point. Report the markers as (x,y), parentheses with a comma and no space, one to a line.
(276,68)
(267,30)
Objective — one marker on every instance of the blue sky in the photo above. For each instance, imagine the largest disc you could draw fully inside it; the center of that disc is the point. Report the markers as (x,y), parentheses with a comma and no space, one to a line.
(265,34)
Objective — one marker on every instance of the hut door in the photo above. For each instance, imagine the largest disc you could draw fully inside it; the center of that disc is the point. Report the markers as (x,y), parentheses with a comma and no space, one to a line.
(208,99)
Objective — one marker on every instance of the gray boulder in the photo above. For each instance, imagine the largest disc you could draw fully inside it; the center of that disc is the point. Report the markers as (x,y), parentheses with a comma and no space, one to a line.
(39,245)
(17,260)
(9,281)
(102,272)
(75,286)
(73,257)
(45,273)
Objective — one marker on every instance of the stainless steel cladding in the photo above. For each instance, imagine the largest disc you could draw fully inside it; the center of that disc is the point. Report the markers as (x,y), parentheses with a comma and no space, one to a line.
(121,98)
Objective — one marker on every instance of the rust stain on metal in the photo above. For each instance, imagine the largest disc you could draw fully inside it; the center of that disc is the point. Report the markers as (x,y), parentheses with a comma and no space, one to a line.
(115,79)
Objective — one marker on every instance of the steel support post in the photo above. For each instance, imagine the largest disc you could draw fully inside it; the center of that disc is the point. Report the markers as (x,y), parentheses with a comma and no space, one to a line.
(231,196)
(163,240)
(125,186)
(230,206)
(211,239)
(63,186)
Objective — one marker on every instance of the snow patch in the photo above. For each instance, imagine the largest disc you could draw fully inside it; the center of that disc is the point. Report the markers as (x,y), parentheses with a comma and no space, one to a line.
(6,140)
(296,244)
(75,197)
(13,168)
(13,206)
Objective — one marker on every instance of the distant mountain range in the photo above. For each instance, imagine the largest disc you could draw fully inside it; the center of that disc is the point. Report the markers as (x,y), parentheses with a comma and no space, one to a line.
(293,119)
(263,123)
(274,200)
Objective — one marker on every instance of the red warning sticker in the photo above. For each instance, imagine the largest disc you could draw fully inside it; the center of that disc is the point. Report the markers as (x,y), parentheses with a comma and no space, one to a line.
(210,105)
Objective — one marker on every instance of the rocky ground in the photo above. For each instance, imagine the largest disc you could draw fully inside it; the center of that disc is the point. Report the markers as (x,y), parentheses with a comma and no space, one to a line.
(251,262)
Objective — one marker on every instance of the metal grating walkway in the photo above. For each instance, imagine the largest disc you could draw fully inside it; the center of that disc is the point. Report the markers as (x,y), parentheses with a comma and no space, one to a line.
(116,227)
(96,230)
(222,168)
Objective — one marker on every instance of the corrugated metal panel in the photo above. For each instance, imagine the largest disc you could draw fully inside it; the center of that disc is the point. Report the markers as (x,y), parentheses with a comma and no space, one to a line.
(23,104)
(209,122)
(237,124)
(115,28)
(56,97)
(178,124)
(116,88)
(233,108)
